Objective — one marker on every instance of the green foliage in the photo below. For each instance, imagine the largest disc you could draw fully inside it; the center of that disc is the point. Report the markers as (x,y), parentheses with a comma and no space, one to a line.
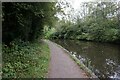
(26,20)
(99,23)
(22,24)
(48,32)
(25,60)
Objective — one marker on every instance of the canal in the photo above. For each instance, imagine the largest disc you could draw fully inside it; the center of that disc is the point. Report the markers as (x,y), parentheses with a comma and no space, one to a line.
(102,58)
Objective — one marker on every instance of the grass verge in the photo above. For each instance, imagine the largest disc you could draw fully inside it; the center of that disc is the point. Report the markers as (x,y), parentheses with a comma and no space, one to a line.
(25,60)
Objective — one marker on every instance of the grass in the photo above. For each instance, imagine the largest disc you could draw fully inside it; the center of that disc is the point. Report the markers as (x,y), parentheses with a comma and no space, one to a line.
(25,60)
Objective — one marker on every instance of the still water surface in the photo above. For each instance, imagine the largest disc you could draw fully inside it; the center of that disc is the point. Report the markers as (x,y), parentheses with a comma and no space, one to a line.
(102,58)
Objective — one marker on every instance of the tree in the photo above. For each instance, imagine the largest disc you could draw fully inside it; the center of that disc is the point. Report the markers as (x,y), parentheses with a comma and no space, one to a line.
(26,20)
(98,21)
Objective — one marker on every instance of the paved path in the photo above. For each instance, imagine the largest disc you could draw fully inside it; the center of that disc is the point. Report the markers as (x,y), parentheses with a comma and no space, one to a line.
(62,65)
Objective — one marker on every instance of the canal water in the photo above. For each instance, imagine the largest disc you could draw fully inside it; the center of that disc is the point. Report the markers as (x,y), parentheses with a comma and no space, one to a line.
(102,58)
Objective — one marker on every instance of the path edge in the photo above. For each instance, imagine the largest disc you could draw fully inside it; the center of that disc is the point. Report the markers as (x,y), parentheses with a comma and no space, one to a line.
(88,72)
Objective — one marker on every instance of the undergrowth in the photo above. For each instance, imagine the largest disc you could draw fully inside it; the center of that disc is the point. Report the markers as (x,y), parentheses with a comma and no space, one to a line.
(25,59)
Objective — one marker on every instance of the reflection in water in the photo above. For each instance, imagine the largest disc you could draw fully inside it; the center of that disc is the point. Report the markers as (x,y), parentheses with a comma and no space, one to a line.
(102,58)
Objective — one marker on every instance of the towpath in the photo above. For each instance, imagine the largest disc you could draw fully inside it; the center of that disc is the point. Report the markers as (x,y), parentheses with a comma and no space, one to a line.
(62,65)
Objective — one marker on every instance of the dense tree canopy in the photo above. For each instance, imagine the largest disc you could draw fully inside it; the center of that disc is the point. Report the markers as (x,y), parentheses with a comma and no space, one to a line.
(98,21)
(26,20)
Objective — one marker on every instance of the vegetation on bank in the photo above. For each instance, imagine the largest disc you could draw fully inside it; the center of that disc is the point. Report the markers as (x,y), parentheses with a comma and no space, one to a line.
(96,21)
(25,60)
(22,25)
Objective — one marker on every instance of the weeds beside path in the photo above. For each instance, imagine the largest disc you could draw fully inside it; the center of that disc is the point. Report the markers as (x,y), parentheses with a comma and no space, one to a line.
(25,60)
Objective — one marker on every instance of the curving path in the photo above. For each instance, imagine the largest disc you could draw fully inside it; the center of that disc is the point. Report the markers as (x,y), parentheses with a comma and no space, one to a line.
(62,65)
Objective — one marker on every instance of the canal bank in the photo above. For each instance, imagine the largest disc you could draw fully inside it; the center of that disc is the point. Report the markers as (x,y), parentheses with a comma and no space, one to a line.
(88,72)
(61,65)
(65,66)
(101,58)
